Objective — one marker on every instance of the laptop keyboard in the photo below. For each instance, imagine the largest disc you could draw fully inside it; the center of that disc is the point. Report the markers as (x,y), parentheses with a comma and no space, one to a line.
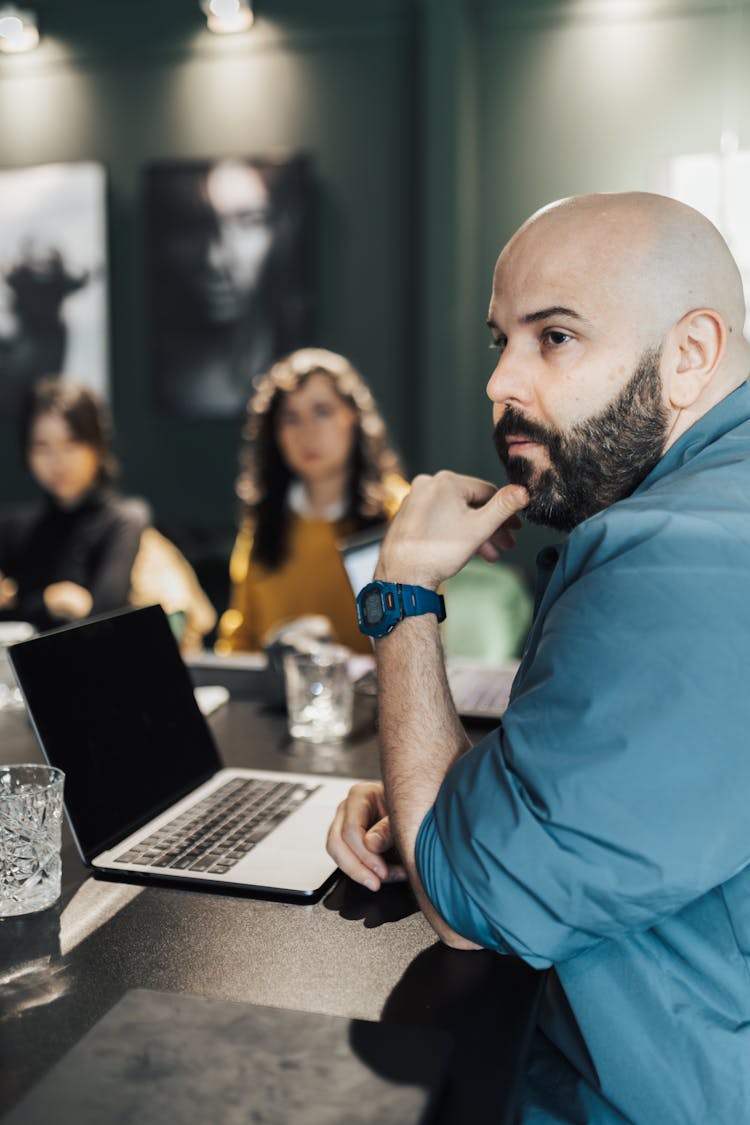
(220,830)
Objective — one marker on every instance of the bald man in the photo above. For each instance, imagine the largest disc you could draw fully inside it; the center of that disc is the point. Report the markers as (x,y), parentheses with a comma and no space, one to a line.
(603,830)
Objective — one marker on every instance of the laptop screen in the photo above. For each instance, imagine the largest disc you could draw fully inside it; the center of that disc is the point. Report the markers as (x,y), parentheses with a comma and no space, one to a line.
(113,707)
(359,555)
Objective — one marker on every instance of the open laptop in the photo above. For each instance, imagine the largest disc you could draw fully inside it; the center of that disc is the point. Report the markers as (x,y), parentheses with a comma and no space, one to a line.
(112,705)
(480,691)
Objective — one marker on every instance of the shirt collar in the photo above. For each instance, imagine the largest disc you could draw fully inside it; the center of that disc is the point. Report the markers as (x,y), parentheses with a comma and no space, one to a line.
(725,416)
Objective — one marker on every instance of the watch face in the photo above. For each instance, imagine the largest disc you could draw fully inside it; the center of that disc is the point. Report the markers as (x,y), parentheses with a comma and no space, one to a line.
(372,608)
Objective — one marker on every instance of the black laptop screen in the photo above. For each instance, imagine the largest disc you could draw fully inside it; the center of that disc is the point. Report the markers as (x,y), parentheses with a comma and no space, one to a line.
(113,707)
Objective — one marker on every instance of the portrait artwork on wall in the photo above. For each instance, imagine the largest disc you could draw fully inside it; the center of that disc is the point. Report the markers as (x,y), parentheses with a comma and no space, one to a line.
(229,277)
(53,278)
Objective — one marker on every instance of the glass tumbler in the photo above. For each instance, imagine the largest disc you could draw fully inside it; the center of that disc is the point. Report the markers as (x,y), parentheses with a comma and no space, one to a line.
(319,694)
(31,805)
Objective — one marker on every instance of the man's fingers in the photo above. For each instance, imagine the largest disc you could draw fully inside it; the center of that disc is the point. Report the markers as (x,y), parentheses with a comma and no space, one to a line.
(499,519)
(353,837)
(488,552)
(444,521)
(507,501)
(345,858)
(500,514)
(476,492)
(379,838)
(346,837)
(502,539)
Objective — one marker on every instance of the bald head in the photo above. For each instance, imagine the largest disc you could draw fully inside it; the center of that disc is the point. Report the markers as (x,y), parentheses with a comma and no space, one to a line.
(656,258)
(618,324)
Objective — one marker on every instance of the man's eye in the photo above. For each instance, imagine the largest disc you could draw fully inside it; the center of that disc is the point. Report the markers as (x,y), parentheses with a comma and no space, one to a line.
(498,345)
(555,337)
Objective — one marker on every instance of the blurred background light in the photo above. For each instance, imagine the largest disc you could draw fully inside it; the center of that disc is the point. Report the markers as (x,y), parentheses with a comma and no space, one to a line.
(18,30)
(225,17)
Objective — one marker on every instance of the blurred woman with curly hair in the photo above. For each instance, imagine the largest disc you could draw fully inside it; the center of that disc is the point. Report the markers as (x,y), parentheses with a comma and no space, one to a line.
(316,467)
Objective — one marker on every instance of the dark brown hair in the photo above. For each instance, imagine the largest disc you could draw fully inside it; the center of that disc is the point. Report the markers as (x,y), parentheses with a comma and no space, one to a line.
(265,477)
(85,413)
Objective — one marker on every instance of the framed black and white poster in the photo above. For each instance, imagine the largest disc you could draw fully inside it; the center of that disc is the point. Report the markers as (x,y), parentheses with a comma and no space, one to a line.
(229,277)
(53,277)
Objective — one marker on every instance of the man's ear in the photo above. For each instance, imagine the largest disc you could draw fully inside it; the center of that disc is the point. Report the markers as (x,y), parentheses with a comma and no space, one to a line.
(692,352)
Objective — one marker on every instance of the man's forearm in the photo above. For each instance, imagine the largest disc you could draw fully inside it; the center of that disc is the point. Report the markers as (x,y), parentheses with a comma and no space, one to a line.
(444,520)
(421,737)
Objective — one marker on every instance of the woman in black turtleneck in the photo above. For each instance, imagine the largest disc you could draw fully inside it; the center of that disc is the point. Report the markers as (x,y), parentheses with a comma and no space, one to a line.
(72,555)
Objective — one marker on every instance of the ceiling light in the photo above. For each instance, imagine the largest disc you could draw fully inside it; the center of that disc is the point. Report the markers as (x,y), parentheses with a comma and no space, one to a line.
(227,16)
(18,30)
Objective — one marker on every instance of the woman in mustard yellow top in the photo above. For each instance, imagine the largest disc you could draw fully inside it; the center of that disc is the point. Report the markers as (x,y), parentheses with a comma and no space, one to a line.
(317,467)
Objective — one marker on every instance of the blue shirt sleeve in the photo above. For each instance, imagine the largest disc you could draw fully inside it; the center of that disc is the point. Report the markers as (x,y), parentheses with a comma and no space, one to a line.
(592,811)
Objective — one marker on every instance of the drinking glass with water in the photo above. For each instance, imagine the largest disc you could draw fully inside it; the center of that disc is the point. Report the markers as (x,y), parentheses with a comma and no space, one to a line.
(319,693)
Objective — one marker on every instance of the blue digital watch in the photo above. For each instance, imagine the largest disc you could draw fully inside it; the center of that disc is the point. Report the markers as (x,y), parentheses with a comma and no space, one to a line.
(381,605)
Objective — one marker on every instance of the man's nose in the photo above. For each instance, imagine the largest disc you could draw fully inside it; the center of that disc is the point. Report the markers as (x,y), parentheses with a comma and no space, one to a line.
(511,382)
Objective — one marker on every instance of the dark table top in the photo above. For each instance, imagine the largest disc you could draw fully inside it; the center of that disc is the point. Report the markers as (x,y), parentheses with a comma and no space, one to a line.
(353,954)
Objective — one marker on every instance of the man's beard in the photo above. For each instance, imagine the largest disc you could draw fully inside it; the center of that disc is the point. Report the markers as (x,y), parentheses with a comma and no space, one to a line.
(596,462)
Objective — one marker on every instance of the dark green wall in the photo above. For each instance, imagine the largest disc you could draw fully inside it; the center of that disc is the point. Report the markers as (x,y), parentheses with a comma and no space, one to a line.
(126,83)
(435,127)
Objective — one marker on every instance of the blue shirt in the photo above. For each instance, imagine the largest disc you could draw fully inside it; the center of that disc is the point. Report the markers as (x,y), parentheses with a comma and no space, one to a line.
(604,829)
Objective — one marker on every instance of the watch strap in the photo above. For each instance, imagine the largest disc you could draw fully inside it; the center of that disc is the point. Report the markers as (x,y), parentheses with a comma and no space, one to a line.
(416,600)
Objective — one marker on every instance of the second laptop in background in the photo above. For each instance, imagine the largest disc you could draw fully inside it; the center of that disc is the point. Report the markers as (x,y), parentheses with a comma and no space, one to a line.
(480,689)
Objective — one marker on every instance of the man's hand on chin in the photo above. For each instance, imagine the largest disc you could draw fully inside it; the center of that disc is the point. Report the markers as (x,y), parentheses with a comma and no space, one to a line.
(445,520)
